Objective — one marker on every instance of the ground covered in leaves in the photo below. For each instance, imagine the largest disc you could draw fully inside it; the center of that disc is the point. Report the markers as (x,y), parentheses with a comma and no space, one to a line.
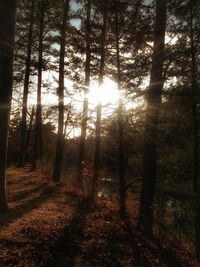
(53,225)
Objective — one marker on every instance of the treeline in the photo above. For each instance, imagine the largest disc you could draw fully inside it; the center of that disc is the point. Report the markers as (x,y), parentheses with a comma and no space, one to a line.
(132,43)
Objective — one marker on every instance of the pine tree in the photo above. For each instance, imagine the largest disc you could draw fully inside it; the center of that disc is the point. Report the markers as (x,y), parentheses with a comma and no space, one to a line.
(60,134)
(38,121)
(81,157)
(26,89)
(122,182)
(7,34)
(99,106)
(151,120)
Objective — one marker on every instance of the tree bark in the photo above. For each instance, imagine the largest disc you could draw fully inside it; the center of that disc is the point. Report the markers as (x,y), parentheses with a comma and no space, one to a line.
(7,34)
(81,158)
(60,133)
(28,135)
(151,120)
(26,88)
(38,122)
(194,89)
(122,182)
(99,107)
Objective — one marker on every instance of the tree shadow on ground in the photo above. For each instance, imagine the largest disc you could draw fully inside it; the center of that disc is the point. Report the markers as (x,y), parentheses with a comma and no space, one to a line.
(145,247)
(27,193)
(18,211)
(66,253)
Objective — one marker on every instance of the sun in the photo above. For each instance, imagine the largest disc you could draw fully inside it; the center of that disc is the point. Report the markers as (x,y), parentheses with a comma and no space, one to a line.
(105,94)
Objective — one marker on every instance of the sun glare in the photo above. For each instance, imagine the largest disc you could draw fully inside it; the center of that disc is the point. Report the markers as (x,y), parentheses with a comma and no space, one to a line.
(105,94)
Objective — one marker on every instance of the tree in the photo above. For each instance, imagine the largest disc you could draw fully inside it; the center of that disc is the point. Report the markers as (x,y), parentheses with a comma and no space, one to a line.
(28,135)
(60,133)
(81,157)
(38,119)
(151,120)
(99,107)
(194,90)
(7,34)
(122,182)
(26,88)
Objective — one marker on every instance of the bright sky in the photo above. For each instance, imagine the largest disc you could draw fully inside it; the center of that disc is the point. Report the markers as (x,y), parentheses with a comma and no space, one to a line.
(107,95)
(75,6)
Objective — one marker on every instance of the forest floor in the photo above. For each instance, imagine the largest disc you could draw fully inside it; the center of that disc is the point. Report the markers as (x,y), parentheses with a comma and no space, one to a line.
(53,225)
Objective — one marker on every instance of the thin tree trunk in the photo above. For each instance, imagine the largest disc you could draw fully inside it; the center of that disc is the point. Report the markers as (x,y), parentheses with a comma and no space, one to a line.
(28,136)
(194,108)
(7,33)
(26,88)
(81,158)
(38,122)
(194,89)
(122,182)
(99,107)
(60,134)
(151,121)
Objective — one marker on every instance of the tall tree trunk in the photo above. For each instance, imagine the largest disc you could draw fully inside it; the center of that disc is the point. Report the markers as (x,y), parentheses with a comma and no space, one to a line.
(60,134)
(28,136)
(151,120)
(194,90)
(26,87)
(122,182)
(194,105)
(99,107)
(81,158)
(38,122)
(7,33)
